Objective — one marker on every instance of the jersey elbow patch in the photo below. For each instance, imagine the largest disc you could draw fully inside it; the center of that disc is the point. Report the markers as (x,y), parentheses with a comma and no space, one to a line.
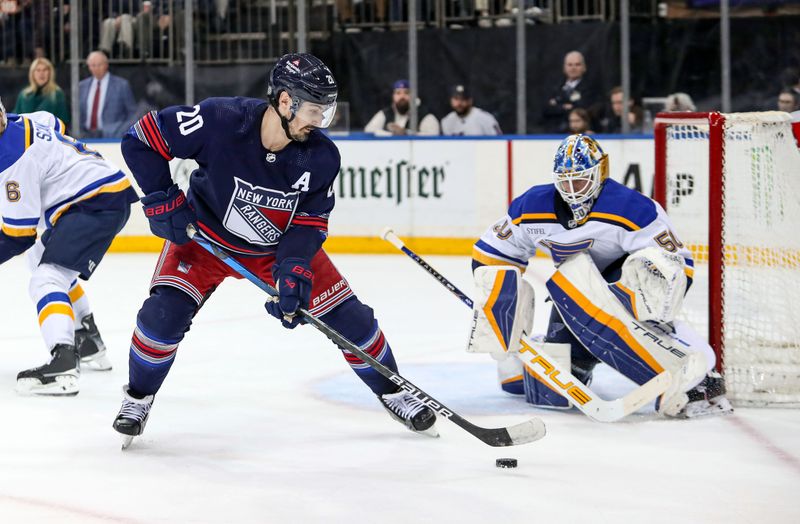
(148,132)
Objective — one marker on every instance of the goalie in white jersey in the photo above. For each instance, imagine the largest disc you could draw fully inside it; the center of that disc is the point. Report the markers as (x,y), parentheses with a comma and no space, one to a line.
(51,181)
(631,242)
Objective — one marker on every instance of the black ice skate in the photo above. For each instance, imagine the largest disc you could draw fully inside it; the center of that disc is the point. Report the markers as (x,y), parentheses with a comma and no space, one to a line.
(57,377)
(132,416)
(708,398)
(91,346)
(409,411)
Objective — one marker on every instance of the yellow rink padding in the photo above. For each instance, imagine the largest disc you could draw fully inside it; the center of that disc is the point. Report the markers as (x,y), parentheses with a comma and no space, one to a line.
(334,244)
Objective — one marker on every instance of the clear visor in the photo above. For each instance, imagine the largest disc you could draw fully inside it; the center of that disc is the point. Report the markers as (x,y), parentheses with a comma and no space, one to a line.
(317,115)
(580,186)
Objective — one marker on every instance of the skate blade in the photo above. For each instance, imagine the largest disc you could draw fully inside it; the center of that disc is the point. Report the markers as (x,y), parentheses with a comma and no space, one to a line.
(126,441)
(64,386)
(97,362)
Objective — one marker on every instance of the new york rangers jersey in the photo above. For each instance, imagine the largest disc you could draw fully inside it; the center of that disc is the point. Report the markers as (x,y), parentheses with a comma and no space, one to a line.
(245,196)
(621,221)
(44,173)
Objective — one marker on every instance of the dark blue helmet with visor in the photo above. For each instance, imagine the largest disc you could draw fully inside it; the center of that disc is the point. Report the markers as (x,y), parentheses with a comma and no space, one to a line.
(310,85)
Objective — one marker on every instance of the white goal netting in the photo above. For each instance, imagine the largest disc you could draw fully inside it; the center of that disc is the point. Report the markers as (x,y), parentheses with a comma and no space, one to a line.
(760,233)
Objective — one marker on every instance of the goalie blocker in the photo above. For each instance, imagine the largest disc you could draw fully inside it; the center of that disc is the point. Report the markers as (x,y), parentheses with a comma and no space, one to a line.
(608,320)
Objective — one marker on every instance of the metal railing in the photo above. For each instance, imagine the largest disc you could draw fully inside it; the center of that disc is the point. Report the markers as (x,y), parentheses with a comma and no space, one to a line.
(130,31)
(242,31)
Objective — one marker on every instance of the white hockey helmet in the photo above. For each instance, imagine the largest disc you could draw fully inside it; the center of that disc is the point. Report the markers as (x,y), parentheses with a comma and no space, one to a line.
(579,169)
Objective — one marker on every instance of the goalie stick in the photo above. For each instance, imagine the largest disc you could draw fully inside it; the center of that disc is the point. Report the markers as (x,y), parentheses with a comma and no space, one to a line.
(549,370)
(522,433)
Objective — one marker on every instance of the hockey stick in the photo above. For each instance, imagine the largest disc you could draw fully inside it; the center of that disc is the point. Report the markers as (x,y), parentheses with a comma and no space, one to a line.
(521,433)
(549,370)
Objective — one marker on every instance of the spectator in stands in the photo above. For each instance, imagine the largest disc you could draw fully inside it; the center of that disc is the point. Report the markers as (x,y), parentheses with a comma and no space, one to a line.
(679,102)
(107,106)
(788,101)
(117,28)
(580,123)
(42,93)
(466,119)
(16,30)
(612,123)
(574,92)
(394,119)
(151,28)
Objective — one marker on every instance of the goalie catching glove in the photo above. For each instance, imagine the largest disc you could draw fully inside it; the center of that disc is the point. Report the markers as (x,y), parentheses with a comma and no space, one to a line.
(656,283)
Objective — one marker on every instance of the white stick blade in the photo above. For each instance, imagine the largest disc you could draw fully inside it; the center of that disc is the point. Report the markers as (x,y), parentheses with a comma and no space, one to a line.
(528,431)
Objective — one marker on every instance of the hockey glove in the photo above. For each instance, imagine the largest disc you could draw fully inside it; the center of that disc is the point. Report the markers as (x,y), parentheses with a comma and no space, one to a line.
(293,278)
(169,213)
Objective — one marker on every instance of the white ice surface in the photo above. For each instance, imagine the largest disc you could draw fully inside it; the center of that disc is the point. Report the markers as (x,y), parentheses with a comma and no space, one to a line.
(259,424)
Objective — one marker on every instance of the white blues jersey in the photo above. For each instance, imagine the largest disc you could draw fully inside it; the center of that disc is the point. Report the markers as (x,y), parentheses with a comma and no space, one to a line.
(44,172)
(621,221)
(475,123)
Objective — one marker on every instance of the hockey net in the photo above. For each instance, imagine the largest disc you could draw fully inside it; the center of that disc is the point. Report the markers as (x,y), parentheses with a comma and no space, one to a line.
(731,185)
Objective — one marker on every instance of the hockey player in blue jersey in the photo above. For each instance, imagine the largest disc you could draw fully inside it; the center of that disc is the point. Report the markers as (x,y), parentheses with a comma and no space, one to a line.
(263,192)
(631,242)
(81,201)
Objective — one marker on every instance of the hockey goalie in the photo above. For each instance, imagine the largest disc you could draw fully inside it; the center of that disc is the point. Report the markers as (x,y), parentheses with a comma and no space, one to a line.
(620,281)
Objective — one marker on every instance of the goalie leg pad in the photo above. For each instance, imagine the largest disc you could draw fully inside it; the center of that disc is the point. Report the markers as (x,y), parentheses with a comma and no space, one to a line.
(509,375)
(603,325)
(539,393)
(502,310)
(583,362)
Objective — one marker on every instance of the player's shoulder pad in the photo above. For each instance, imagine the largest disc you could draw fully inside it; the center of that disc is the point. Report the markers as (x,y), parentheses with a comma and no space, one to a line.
(622,206)
(43,118)
(534,205)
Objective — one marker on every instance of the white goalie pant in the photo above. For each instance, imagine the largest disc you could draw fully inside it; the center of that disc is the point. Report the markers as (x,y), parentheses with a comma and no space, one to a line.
(639,350)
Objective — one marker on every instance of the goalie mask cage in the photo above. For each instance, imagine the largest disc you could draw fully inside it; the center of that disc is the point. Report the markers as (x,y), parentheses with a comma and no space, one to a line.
(731,185)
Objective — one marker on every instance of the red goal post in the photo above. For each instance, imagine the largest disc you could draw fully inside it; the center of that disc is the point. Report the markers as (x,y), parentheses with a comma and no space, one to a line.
(731,185)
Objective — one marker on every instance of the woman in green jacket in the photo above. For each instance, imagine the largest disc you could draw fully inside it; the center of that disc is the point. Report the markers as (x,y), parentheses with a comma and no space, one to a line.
(43,94)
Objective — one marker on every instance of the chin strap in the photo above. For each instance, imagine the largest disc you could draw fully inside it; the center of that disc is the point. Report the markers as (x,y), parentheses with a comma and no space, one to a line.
(284,121)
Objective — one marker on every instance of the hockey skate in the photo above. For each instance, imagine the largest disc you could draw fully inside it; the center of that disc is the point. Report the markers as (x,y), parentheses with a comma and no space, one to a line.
(57,377)
(707,398)
(132,416)
(409,411)
(91,346)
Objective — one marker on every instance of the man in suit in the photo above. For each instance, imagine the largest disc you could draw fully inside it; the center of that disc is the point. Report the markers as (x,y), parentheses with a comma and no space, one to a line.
(106,101)
(573,93)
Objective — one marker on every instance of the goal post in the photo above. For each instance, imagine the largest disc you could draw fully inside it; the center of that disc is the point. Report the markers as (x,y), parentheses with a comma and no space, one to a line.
(731,185)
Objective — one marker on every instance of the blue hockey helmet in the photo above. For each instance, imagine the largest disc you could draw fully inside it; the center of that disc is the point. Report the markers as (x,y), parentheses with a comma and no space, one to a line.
(579,169)
(309,83)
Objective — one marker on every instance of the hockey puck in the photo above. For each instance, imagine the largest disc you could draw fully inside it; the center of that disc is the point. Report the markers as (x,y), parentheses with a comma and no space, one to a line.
(506,463)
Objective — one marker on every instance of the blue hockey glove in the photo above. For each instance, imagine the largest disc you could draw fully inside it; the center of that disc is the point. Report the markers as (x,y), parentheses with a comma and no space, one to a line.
(169,213)
(293,278)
